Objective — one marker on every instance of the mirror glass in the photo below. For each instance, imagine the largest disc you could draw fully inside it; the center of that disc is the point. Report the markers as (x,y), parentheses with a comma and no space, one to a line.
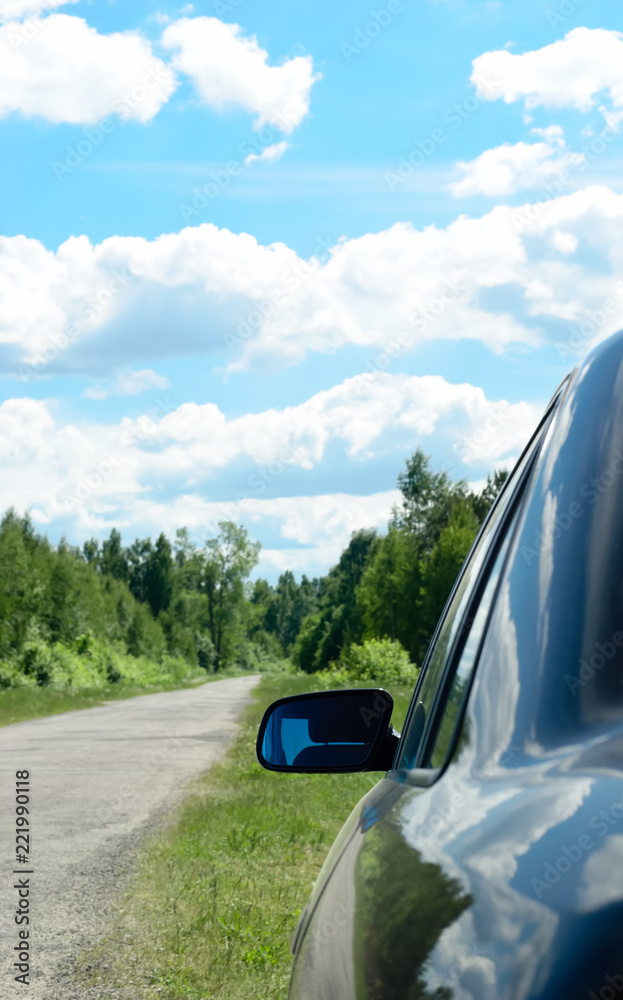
(331,729)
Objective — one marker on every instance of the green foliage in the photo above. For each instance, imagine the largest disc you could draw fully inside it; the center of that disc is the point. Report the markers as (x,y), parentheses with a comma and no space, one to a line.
(389,589)
(100,614)
(308,643)
(427,500)
(442,565)
(338,621)
(88,662)
(279,611)
(108,615)
(228,561)
(405,904)
(395,587)
(375,661)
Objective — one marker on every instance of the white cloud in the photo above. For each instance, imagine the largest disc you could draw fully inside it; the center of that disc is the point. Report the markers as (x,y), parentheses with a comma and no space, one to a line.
(164,469)
(357,413)
(15,10)
(569,73)
(564,242)
(524,165)
(229,68)
(271,153)
(68,72)
(128,384)
(61,69)
(501,279)
(598,888)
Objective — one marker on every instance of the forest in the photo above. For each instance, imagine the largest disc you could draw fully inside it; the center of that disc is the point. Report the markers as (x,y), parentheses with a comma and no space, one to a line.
(106,613)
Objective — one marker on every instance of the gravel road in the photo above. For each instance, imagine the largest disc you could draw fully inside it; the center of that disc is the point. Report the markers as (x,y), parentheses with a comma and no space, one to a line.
(100,779)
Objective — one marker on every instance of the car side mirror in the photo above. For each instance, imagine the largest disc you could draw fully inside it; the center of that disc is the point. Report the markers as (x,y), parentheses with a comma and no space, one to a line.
(328,731)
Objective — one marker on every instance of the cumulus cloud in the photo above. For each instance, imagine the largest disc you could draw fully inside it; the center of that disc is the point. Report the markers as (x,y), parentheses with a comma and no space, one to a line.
(509,168)
(68,72)
(128,384)
(357,413)
(271,153)
(568,73)
(167,467)
(61,69)
(506,278)
(229,68)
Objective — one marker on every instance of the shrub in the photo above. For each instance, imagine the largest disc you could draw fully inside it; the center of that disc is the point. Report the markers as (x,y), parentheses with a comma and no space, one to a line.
(257,659)
(12,676)
(376,661)
(88,662)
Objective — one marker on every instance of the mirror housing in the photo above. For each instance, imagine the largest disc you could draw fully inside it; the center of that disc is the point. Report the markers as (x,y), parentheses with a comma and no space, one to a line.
(328,732)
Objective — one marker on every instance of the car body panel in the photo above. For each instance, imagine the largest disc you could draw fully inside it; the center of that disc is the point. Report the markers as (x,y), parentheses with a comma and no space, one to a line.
(504,878)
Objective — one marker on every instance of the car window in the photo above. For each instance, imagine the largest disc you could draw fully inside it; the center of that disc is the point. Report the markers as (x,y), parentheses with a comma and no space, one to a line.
(457,623)
(444,737)
(455,615)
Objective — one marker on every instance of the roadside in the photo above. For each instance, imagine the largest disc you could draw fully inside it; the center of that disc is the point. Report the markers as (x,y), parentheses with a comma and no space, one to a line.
(21,704)
(218,892)
(97,781)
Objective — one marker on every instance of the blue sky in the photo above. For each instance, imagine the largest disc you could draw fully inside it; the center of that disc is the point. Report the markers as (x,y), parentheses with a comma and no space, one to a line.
(252,255)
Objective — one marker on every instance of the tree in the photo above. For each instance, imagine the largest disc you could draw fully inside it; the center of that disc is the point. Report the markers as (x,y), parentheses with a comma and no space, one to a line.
(444,562)
(427,500)
(379,596)
(62,598)
(338,621)
(113,561)
(158,576)
(91,551)
(229,559)
(482,502)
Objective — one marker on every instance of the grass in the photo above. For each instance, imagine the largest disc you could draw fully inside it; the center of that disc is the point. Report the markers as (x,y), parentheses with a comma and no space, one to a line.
(21,704)
(214,905)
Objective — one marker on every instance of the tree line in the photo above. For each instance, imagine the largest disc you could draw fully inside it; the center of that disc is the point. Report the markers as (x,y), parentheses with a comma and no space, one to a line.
(396,585)
(196,603)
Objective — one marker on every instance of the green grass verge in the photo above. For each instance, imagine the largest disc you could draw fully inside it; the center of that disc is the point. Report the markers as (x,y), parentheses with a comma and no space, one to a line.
(214,905)
(21,704)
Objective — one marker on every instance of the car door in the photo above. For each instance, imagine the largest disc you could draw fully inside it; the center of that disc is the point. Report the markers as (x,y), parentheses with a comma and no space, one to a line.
(385,897)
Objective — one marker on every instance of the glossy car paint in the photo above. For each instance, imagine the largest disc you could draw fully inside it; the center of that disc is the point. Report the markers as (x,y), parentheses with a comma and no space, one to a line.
(501,876)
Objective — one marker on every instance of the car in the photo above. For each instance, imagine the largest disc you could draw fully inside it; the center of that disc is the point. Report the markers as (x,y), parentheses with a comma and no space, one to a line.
(487,861)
